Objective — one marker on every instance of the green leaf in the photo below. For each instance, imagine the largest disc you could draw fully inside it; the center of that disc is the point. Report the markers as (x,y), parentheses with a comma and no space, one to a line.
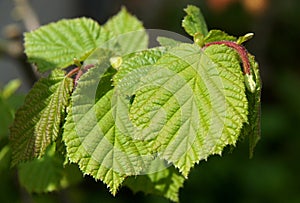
(37,122)
(48,173)
(78,153)
(166,183)
(218,35)
(126,33)
(133,67)
(194,22)
(56,45)
(96,133)
(195,103)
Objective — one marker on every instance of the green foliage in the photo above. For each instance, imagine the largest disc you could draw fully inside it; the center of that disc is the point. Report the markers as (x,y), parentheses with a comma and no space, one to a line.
(48,173)
(8,103)
(6,118)
(139,115)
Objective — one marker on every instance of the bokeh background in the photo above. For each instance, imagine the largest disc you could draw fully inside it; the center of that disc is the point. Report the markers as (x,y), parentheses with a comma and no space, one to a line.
(272,175)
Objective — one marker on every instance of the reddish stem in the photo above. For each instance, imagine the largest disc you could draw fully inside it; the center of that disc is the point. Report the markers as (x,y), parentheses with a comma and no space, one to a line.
(79,74)
(73,72)
(81,71)
(87,67)
(239,49)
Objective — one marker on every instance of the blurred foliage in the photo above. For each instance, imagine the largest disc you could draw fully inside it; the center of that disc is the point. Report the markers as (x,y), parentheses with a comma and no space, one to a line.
(9,102)
(272,175)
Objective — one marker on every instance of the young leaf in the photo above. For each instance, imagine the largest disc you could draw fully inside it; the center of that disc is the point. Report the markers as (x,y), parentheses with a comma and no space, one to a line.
(48,173)
(244,38)
(218,35)
(197,100)
(126,33)
(57,44)
(37,122)
(194,22)
(252,128)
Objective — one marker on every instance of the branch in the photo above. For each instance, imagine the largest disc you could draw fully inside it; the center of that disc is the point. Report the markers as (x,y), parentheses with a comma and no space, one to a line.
(26,14)
(12,46)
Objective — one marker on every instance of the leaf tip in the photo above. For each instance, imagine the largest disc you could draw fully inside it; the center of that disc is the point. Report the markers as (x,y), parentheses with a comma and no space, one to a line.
(245,38)
(194,21)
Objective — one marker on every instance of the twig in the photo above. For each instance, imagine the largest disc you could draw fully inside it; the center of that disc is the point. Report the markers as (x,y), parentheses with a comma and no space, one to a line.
(12,47)
(27,14)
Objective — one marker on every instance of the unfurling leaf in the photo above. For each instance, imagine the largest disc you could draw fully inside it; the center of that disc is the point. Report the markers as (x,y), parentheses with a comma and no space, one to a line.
(194,22)
(252,128)
(37,122)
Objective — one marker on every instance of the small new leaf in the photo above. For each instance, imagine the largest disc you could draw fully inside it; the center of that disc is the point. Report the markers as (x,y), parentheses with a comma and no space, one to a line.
(37,122)
(244,38)
(252,128)
(126,33)
(194,22)
(218,35)
(250,83)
